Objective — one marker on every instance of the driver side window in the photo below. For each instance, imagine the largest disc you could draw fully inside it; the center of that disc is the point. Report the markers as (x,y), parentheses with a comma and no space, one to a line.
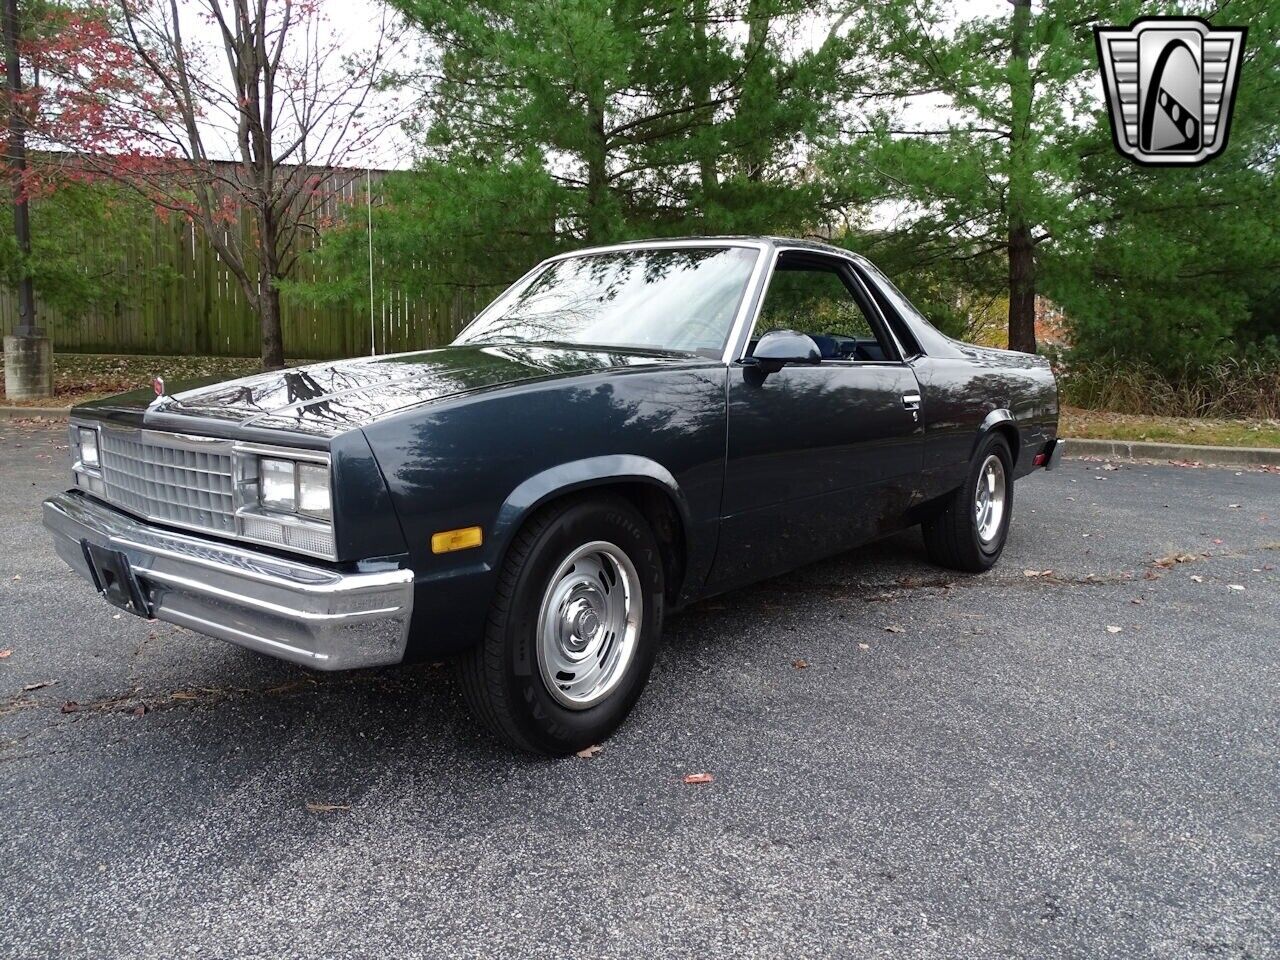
(814,299)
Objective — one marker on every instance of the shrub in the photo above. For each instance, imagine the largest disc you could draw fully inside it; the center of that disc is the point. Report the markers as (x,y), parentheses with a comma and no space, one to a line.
(1229,388)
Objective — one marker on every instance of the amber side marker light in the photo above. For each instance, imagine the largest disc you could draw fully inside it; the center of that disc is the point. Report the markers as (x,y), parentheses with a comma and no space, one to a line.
(447,541)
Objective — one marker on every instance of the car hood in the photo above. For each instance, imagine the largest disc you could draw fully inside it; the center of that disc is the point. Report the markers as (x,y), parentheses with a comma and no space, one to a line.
(328,398)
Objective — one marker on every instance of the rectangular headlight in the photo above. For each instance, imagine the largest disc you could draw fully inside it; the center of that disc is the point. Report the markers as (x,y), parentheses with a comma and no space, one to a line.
(284,498)
(313,491)
(87,447)
(277,485)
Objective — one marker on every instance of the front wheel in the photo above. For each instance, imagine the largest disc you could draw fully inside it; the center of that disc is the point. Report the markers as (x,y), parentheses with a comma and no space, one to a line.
(573,629)
(970,530)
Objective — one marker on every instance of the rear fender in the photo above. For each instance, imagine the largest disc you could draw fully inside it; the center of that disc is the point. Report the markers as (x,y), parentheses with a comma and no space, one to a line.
(1003,420)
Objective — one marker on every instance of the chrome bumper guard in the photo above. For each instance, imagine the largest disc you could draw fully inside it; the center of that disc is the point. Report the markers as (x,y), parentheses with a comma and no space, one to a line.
(295,611)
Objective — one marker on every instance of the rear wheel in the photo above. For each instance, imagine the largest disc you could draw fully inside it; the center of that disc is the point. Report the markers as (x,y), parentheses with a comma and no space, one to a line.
(970,530)
(573,629)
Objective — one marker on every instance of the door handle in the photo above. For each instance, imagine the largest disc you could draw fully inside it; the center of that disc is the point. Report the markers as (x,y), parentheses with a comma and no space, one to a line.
(911,401)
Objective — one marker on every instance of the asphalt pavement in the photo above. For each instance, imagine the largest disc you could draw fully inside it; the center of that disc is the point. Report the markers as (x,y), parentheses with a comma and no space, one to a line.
(1074,755)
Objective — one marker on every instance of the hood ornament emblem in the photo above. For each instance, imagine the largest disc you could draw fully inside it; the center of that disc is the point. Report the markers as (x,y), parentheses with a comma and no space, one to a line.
(157,384)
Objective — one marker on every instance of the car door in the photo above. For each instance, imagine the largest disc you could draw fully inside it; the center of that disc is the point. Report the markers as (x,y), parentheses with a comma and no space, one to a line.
(819,458)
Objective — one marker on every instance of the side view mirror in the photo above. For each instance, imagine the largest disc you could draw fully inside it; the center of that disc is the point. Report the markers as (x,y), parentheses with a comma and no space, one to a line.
(777,348)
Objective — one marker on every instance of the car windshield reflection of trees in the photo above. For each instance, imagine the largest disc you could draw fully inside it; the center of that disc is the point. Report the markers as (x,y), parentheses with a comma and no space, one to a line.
(681,300)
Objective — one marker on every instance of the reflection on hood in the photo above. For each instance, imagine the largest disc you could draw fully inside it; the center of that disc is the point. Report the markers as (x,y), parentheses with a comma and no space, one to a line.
(328,398)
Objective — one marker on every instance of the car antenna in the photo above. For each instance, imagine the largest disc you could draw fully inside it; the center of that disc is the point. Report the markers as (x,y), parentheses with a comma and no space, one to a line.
(368,203)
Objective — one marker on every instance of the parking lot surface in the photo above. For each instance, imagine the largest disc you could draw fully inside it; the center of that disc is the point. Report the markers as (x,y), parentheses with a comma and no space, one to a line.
(1074,755)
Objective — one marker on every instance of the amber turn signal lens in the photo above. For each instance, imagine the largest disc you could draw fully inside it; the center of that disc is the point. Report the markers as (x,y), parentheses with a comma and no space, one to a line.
(447,541)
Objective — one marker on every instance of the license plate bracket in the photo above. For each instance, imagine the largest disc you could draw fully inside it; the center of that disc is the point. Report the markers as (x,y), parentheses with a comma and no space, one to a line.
(115,580)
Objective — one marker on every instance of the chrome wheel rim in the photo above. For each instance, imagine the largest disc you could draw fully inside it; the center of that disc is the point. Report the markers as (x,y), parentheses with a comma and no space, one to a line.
(990,498)
(589,625)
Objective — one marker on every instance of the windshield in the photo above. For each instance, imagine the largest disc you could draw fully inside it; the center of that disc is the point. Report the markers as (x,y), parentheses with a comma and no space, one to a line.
(674,299)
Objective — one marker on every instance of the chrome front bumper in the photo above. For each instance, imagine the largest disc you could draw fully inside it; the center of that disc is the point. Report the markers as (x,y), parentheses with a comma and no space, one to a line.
(307,614)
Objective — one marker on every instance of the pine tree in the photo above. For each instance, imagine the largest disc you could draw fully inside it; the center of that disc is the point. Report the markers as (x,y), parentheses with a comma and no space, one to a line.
(1017,189)
(561,123)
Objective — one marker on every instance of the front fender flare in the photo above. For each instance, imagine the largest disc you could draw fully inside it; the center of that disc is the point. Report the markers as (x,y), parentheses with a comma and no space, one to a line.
(581,475)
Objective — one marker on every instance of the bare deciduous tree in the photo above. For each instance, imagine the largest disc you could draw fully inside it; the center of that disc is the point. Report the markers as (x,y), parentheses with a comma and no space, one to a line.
(281,95)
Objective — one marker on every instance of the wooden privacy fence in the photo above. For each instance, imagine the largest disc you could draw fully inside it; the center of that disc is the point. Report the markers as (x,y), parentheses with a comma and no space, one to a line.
(195,305)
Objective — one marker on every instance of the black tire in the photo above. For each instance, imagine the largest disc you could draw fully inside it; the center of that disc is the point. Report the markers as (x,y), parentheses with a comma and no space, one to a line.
(951,536)
(501,678)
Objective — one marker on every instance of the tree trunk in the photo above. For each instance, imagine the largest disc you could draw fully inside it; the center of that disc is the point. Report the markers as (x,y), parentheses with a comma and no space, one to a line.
(597,158)
(272,336)
(17,155)
(1022,250)
(708,173)
(1022,288)
(757,84)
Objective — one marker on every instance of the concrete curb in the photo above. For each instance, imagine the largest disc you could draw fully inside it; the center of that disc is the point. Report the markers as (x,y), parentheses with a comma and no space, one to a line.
(1135,450)
(26,413)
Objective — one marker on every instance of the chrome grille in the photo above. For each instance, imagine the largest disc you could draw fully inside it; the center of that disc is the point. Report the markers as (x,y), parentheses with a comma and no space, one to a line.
(169,478)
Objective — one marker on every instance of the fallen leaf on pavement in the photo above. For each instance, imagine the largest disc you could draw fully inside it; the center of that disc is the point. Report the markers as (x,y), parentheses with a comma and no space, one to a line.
(1218,541)
(17,576)
(1114,629)
(39,686)
(70,707)
(864,646)
(1137,600)
(327,807)
(5,654)
(1037,573)
(893,628)
(692,778)
(800,664)
(1234,506)
(586,753)
(1235,586)
(140,710)
(1196,578)
(1169,559)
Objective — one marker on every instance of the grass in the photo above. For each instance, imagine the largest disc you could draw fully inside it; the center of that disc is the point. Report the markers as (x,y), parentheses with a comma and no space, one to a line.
(1102,425)
(1229,389)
